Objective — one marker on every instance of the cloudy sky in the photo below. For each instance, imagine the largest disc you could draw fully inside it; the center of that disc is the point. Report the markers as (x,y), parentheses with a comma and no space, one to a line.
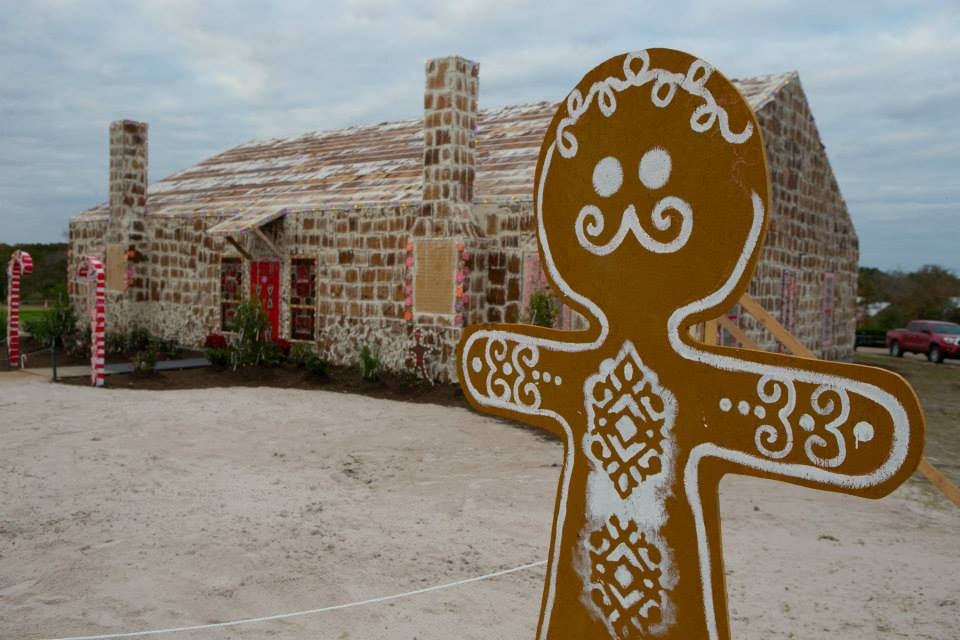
(883,79)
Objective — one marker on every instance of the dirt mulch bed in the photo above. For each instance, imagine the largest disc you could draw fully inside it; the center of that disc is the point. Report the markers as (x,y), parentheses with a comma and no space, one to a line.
(38,355)
(287,376)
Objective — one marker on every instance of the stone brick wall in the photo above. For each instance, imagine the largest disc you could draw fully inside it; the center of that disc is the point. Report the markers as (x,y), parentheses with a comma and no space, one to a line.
(511,238)
(184,276)
(127,225)
(810,233)
(449,154)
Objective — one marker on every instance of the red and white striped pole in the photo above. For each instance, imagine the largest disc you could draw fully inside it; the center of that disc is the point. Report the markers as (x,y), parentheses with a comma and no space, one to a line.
(21,264)
(91,270)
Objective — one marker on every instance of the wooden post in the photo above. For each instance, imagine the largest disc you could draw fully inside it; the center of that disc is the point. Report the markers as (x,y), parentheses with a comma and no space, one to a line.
(778,330)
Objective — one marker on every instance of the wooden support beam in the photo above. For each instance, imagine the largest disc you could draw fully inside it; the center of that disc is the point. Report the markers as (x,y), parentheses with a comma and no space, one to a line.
(738,333)
(267,241)
(778,330)
(239,248)
(940,481)
(710,332)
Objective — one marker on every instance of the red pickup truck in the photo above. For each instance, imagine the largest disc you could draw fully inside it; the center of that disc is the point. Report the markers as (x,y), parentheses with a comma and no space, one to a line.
(937,339)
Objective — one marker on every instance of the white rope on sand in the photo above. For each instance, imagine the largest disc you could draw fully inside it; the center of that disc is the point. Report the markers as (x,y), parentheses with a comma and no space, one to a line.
(281,616)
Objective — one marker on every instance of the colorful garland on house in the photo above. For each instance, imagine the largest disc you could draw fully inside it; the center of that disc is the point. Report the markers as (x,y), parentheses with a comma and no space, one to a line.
(463,286)
(20,265)
(408,285)
(91,270)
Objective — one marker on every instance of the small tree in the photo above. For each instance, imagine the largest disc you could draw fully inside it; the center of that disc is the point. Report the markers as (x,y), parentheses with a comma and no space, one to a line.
(543,308)
(54,324)
(252,326)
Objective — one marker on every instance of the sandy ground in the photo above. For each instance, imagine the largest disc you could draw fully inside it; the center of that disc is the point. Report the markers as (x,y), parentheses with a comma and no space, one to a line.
(130,510)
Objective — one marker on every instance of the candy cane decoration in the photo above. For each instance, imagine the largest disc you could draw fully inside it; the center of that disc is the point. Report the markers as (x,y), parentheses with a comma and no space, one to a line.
(21,264)
(91,269)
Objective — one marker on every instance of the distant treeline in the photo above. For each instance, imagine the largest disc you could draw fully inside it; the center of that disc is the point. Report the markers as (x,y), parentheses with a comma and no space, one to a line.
(930,293)
(49,277)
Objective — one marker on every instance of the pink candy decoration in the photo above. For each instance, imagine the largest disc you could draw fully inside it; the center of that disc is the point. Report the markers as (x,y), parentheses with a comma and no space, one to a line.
(91,269)
(21,264)
(409,261)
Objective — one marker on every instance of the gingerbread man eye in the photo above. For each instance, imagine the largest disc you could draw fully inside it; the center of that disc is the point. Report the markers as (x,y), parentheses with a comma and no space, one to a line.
(655,168)
(607,177)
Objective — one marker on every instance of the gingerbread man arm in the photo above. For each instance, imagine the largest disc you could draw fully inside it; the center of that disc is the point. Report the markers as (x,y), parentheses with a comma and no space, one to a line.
(840,427)
(518,372)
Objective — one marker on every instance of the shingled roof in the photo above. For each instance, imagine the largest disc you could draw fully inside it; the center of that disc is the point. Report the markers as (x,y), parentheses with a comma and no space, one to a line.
(367,165)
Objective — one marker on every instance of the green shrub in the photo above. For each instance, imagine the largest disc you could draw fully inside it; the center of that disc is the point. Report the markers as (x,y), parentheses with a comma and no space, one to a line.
(145,361)
(115,344)
(369,364)
(300,353)
(408,379)
(317,366)
(271,353)
(543,309)
(166,347)
(219,357)
(138,339)
(77,343)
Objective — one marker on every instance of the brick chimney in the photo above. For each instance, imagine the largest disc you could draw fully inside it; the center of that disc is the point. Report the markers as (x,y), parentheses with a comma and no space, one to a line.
(126,232)
(449,147)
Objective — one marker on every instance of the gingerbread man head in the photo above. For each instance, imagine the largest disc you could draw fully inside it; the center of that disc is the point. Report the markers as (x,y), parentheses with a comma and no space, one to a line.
(646,175)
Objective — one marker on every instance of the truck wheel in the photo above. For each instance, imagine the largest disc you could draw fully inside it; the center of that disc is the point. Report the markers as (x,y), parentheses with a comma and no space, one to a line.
(895,349)
(934,354)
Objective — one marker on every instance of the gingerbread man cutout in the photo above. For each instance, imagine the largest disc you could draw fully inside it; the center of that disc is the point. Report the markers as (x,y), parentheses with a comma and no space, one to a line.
(651,195)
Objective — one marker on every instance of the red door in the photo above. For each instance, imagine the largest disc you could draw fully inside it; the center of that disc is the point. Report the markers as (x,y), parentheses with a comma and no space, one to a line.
(265,287)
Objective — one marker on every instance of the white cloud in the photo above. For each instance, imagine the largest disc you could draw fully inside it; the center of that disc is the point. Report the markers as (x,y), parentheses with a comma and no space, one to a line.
(881,78)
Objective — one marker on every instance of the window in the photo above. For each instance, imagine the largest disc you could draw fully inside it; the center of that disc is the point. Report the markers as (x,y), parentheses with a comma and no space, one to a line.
(303,298)
(231,289)
(826,332)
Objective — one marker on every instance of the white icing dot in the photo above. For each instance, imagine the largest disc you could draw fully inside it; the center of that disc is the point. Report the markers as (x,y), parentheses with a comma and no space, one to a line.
(862,432)
(607,177)
(536,374)
(477,365)
(760,412)
(725,404)
(547,377)
(655,168)
(507,368)
(558,381)
(743,407)
(806,422)
(602,422)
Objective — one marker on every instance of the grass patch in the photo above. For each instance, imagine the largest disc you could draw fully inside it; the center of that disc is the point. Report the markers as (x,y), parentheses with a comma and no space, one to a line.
(27,312)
